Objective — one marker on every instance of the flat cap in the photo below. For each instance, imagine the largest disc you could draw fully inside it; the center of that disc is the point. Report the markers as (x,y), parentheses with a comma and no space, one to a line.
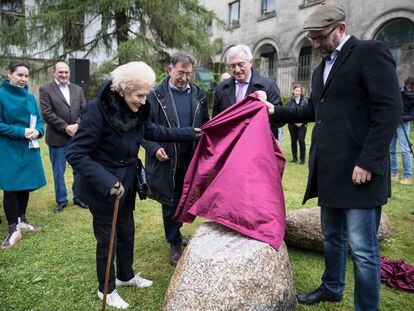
(325,15)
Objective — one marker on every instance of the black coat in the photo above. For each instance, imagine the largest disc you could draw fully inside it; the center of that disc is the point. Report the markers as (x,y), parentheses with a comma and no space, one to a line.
(356,113)
(160,175)
(225,92)
(408,106)
(292,103)
(105,148)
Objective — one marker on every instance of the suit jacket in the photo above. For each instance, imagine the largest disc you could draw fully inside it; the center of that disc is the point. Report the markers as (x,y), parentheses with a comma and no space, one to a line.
(356,113)
(161,175)
(58,113)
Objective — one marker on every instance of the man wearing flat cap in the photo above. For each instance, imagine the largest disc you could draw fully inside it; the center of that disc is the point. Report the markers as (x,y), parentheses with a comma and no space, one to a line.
(356,107)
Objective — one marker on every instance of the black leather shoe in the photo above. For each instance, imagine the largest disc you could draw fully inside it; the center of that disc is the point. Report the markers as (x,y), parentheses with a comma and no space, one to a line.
(184,242)
(318,295)
(60,207)
(175,253)
(80,204)
(302,162)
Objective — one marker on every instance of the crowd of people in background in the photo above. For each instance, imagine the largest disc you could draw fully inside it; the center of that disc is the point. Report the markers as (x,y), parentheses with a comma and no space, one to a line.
(359,117)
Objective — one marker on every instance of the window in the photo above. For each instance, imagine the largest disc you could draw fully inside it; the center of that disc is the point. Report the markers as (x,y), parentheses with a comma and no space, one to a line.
(12,17)
(394,34)
(234,14)
(268,7)
(305,59)
(74,35)
(307,2)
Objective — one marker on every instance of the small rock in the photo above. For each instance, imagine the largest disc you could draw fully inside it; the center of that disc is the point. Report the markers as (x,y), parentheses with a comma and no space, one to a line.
(303,228)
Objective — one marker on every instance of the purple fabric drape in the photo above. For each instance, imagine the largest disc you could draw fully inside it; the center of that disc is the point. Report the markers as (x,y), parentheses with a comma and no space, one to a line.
(235,175)
(397,273)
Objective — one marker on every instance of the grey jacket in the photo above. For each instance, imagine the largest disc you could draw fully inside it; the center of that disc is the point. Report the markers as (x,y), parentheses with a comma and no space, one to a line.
(58,113)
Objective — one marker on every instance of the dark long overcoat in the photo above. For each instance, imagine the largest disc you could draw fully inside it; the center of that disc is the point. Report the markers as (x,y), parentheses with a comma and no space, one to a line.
(356,113)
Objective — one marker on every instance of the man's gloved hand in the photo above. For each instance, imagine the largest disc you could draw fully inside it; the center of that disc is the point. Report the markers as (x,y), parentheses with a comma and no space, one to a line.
(117,190)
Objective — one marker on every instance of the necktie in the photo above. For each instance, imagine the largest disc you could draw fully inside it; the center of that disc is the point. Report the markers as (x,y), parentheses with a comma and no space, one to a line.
(240,92)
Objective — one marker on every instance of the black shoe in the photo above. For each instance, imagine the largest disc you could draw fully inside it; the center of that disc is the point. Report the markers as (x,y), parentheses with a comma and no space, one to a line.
(294,160)
(60,207)
(184,242)
(302,162)
(175,253)
(412,213)
(80,204)
(318,295)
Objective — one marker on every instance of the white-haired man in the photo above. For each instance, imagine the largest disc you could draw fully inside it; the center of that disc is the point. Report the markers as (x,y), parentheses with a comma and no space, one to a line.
(244,80)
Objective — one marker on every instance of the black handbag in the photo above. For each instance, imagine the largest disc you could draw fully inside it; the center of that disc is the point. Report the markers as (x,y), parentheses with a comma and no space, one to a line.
(142,186)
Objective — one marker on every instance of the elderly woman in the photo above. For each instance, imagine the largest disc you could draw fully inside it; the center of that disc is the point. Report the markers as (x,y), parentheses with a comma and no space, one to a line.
(104,152)
(20,163)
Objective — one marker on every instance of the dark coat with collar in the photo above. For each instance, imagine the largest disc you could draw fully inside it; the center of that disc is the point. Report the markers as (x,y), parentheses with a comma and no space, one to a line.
(161,175)
(57,112)
(292,103)
(105,149)
(356,113)
(225,94)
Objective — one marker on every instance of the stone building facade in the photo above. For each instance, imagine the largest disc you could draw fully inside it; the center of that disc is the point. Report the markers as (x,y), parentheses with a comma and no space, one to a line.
(281,51)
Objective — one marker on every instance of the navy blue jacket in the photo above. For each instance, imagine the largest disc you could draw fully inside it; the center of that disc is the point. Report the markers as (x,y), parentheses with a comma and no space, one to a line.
(105,148)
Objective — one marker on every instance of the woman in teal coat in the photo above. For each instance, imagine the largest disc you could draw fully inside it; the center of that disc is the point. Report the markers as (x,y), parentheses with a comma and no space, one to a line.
(20,163)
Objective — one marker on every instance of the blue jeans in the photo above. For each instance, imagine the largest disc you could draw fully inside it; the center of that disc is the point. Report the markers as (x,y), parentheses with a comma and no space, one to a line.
(399,136)
(355,228)
(58,159)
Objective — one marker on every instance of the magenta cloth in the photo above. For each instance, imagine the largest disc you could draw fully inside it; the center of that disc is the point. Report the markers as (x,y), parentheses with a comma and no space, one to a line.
(397,273)
(235,176)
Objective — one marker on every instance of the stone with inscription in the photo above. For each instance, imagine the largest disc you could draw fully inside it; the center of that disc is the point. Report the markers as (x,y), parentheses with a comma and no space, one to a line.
(221,269)
(303,229)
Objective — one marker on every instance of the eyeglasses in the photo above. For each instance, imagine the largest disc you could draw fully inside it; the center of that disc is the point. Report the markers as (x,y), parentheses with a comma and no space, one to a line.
(181,74)
(321,39)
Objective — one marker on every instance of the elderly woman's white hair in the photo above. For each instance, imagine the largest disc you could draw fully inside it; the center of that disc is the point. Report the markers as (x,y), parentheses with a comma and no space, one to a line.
(130,76)
(236,50)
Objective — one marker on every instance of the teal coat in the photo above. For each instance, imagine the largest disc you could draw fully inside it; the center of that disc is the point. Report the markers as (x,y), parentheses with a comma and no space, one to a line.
(20,167)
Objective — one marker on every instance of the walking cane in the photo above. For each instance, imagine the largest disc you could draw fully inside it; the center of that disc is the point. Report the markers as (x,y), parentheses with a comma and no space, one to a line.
(111,246)
(410,145)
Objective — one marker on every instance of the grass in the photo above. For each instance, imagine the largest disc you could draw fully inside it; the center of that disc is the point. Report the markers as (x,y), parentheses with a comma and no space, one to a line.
(55,269)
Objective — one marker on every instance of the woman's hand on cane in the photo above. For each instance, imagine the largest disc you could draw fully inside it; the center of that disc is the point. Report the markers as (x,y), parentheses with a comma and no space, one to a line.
(117,190)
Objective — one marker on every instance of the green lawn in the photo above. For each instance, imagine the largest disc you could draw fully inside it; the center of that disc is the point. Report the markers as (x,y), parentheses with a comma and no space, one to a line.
(55,269)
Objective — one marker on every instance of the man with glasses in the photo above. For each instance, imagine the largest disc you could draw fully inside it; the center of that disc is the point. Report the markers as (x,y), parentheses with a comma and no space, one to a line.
(244,80)
(61,103)
(356,106)
(176,102)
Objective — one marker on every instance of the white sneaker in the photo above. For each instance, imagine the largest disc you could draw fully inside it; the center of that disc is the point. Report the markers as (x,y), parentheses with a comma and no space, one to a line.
(114,300)
(24,226)
(135,281)
(12,238)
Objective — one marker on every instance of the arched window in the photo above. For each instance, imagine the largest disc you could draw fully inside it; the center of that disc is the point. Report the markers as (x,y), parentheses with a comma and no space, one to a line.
(305,58)
(396,33)
(267,61)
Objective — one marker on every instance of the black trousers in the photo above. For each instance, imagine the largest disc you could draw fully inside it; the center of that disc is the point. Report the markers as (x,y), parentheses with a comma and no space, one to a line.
(123,249)
(15,204)
(171,226)
(298,134)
